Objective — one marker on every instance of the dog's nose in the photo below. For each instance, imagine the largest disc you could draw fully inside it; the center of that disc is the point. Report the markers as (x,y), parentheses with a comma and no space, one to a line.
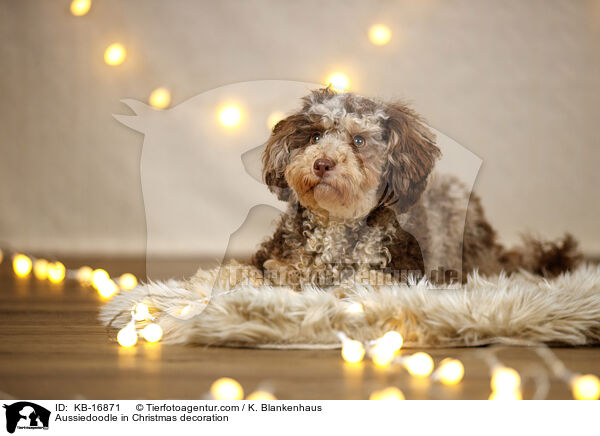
(321,166)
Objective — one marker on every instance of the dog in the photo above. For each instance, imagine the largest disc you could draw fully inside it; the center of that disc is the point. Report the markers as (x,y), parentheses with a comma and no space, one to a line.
(364,203)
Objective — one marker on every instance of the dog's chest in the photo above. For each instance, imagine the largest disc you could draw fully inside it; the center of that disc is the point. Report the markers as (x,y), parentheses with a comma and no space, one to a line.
(336,246)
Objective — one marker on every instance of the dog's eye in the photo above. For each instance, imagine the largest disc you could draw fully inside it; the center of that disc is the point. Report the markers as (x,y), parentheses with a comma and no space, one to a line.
(359,141)
(315,137)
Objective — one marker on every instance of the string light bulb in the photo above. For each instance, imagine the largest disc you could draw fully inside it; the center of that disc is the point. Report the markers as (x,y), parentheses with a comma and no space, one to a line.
(226,388)
(338,81)
(107,288)
(392,340)
(115,54)
(40,269)
(80,7)
(382,355)
(56,272)
(450,371)
(84,275)
(390,393)
(353,351)
(261,396)
(127,336)
(141,312)
(380,34)
(152,332)
(160,98)
(419,364)
(22,265)
(505,379)
(230,116)
(99,275)
(127,281)
(585,387)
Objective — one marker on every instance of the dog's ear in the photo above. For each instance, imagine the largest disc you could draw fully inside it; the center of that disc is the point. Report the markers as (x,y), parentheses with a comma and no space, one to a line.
(276,156)
(411,155)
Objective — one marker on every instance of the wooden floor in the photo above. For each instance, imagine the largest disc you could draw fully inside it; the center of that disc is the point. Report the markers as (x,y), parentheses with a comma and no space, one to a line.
(52,347)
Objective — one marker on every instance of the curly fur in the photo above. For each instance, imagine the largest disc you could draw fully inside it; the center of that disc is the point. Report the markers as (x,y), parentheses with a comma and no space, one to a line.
(381,207)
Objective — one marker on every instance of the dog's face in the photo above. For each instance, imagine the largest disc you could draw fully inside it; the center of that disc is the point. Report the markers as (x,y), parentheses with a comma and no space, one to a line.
(343,154)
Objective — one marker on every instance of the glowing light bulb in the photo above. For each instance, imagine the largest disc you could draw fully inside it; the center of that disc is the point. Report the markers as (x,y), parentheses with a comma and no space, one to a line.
(141,312)
(419,364)
(40,269)
(127,281)
(80,7)
(379,34)
(127,336)
(84,275)
(505,379)
(450,371)
(382,355)
(261,396)
(392,340)
(230,116)
(99,275)
(355,308)
(226,389)
(107,288)
(506,395)
(339,82)
(274,118)
(152,332)
(56,272)
(160,98)
(115,54)
(21,265)
(585,387)
(391,393)
(353,351)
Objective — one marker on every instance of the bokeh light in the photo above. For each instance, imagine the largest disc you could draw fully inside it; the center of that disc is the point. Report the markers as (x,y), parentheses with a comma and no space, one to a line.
(141,312)
(390,393)
(226,389)
(355,308)
(80,7)
(450,371)
(85,275)
(261,396)
(230,116)
(160,98)
(585,387)
(22,265)
(56,272)
(380,34)
(127,336)
(353,351)
(338,81)
(127,281)
(40,269)
(152,332)
(419,364)
(115,54)
(505,379)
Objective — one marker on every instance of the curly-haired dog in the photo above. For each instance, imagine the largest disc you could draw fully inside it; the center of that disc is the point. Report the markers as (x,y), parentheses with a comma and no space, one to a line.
(364,204)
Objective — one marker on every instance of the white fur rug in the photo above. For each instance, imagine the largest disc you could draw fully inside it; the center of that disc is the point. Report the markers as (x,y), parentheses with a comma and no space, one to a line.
(500,309)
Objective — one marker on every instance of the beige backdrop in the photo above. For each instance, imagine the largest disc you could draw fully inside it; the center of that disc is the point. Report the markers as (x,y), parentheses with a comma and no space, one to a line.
(517,82)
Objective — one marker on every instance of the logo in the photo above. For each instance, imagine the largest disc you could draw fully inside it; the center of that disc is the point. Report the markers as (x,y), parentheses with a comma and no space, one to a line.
(26,415)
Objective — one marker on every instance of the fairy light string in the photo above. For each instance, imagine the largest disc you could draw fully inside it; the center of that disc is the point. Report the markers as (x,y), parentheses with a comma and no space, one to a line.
(385,352)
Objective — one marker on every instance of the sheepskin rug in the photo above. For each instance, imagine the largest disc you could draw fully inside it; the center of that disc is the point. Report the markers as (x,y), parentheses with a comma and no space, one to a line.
(500,309)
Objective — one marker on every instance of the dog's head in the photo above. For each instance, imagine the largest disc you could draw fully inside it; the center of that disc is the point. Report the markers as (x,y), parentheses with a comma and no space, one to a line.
(343,154)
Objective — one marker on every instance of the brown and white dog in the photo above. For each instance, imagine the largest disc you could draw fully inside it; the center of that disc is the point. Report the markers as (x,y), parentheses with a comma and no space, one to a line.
(364,204)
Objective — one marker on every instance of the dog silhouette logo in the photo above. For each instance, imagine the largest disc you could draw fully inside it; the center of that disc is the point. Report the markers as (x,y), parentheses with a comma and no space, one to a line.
(26,415)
